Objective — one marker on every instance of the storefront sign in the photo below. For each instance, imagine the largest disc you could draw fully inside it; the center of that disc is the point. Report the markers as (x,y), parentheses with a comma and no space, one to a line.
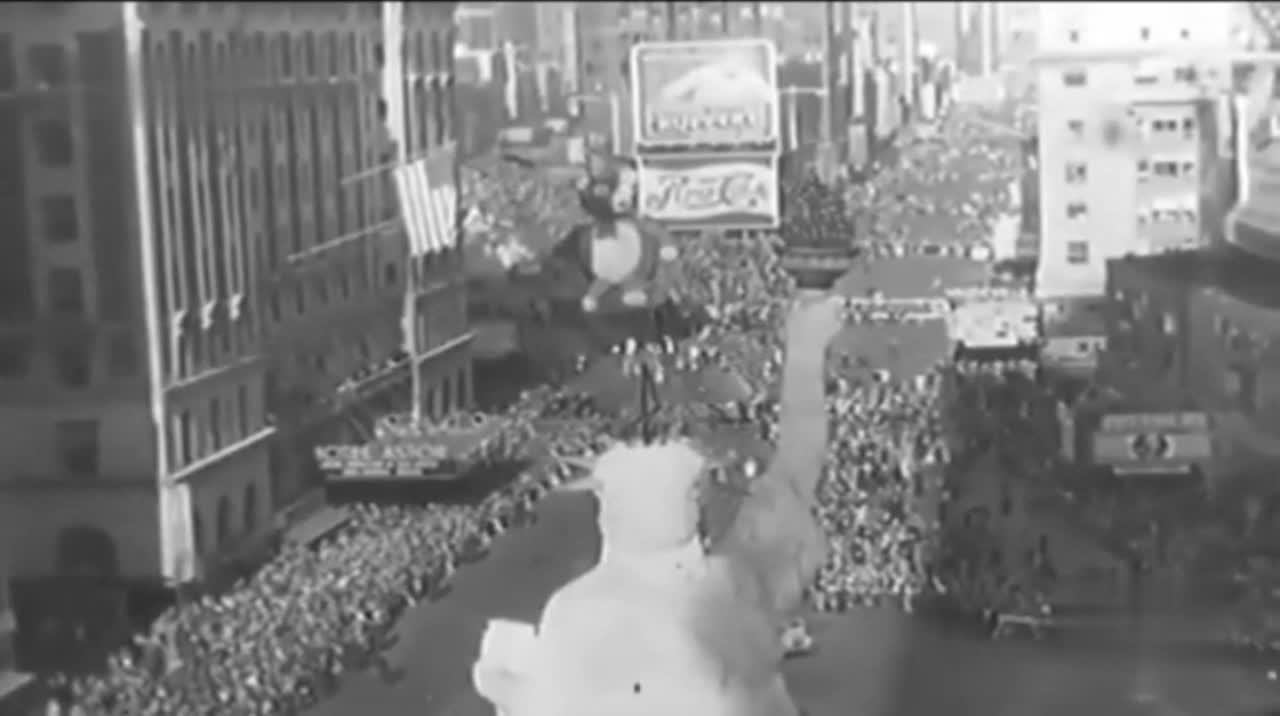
(700,193)
(705,94)
(1072,355)
(1153,443)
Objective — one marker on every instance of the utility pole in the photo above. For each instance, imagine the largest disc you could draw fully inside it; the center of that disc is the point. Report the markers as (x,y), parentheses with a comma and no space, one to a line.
(392,82)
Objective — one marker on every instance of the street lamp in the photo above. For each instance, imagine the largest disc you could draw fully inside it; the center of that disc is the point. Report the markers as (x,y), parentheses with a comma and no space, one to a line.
(615,113)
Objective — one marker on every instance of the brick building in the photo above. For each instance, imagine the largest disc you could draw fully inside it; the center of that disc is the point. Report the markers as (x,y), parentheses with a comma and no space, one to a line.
(1201,331)
(1147,328)
(194,293)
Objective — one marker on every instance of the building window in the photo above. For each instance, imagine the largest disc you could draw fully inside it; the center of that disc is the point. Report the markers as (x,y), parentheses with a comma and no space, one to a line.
(15,357)
(215,424)
(1075,127)
(1075,78)
(1073,36)
(1145,34)
(283,53)
(1077,172)
(73,366)
(242,411)
(250,508)
(224,526)
(8,70)
(309,64)
(122,356)
(185,439)
(66,291)
(61,221)
(254,188)
(48,63)
(77,444)
(198,538)
(55,147)
(1077,210)
(1241,387)
(1077,252)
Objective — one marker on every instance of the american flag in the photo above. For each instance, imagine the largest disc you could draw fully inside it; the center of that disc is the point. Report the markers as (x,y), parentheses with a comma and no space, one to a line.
(429,201)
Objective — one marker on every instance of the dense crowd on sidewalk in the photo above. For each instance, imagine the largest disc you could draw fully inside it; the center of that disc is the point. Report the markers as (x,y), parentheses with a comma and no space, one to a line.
(282,638)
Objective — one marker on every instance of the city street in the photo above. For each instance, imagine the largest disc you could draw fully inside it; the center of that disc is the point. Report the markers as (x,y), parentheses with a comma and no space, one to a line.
(873,661)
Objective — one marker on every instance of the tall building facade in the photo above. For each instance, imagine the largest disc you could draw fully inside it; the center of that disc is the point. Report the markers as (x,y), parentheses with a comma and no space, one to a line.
(206,270)
(1128,129)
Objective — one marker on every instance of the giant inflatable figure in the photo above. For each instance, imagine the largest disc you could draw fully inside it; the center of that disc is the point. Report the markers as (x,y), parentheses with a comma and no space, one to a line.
(621,253)
(681,618)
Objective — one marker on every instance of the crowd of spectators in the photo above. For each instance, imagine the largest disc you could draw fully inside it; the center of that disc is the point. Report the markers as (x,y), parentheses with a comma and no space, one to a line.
(282,638)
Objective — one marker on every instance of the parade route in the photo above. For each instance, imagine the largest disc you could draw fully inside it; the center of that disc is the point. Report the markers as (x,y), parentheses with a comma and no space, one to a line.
(877,662)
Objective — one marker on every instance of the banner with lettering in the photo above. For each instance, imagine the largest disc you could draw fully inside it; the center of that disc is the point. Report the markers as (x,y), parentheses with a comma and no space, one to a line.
(708,95)
(736,192)
(1153,443)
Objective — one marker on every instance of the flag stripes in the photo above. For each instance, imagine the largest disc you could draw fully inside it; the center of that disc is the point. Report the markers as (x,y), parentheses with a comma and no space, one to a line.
(429,201)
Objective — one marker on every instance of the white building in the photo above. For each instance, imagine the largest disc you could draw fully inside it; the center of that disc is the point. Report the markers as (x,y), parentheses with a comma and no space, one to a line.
(1128,112)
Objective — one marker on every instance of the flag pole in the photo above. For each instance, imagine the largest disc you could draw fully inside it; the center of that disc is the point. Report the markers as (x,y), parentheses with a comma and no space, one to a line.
(393,76)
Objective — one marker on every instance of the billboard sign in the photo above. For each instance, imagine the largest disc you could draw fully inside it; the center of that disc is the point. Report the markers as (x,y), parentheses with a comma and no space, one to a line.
(1153,443)
(709,192)
(705,95)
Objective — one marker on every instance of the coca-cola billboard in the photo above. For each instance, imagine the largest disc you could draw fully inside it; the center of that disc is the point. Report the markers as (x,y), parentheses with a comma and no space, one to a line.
(706,192)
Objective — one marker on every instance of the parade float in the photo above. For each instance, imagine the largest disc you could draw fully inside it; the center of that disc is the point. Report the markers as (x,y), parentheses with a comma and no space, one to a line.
(670,620)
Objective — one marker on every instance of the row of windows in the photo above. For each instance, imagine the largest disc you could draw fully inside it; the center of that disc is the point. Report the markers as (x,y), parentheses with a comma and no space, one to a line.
(305,150)
(442,319)
(224,420)
(46,64)
(308,54)
(323,290)
(1148,128)
(1075,36)
(225,529)
(72,363)
(1155,213)
(1169,168)
(1077,172)
(195,352)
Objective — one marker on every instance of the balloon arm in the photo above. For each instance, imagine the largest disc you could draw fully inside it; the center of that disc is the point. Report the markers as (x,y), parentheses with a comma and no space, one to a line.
(773,535)
(802,438)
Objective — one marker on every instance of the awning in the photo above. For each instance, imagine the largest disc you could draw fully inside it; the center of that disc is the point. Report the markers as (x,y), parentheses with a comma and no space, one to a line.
(1255,238)
(317,526)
